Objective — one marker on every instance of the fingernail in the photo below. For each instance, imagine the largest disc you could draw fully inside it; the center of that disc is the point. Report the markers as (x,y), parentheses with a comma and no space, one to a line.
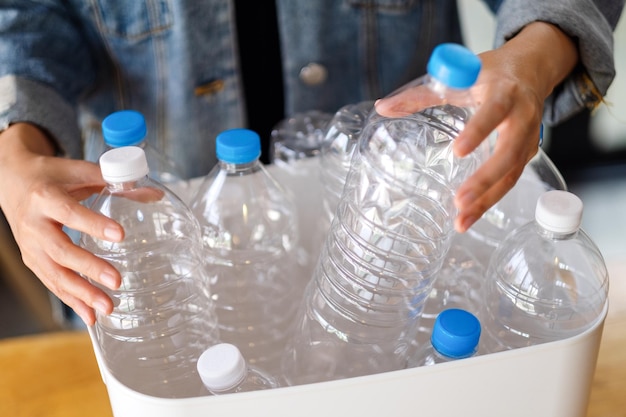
(468,222)
(113,234)
(109,280)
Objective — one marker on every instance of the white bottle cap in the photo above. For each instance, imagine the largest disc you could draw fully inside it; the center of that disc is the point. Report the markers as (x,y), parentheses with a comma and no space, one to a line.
(221,367)
(124,164)
(559,211)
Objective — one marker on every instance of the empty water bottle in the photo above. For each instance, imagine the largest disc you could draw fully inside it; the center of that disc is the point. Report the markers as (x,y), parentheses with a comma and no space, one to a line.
(128,128)
(163,317)
(297,138)
(390,233)
(250,233)
(547,280)
(455,335)
(295,150)
(224,370)
(338,146)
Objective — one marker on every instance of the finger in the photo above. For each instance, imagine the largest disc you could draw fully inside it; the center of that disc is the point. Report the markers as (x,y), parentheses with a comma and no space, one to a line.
(62,251)
(71,288)
(473,211)
(410,99)
(489,116)
(60,207)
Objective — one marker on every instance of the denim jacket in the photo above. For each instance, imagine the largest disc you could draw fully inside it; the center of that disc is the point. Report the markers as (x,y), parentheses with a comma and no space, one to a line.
(66,64)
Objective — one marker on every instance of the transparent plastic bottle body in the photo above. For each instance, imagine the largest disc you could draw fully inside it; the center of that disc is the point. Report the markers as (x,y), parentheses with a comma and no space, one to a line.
(163,316)
(338,146)
(250,234)
(224,370)
(295,151)
(544,282)
(387,241)
(298,138)
(455,335)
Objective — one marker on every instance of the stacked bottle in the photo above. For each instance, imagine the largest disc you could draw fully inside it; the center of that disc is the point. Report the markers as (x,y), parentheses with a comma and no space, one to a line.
(295,150)
(250,233)
(546,281)
(336,152)
(128,128)
(163,317)
(390,232)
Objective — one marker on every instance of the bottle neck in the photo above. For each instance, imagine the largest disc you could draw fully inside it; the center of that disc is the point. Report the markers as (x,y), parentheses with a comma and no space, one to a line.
(142,144)
(240,169)
(126,185)
(548,234)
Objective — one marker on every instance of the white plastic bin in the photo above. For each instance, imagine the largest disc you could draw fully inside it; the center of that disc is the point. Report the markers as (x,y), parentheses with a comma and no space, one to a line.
(549,380)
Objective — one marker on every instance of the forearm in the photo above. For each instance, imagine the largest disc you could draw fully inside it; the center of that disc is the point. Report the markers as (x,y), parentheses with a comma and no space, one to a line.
(590,25)
(542,56)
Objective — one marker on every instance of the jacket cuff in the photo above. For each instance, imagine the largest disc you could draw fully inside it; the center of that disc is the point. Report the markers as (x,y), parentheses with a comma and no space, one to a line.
(589,82)
(24,100)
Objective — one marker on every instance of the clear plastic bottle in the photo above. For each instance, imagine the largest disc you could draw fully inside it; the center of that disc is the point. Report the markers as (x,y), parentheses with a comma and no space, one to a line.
(390,233)
(298,138)
(224,370)
(547,280)
(295,150)
(336,151)
(128,128)
(250,233)
(163,316)
(455,335)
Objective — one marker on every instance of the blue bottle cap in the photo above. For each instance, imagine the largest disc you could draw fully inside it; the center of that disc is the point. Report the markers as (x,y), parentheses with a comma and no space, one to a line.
(124,128)
(456,333)
(238,146)
(454,65)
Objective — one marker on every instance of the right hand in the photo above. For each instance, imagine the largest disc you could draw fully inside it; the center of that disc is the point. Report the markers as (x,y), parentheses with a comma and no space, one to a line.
(39,193)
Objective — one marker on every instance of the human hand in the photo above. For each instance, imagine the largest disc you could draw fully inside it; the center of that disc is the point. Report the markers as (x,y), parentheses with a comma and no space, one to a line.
(514,81)
(39,194)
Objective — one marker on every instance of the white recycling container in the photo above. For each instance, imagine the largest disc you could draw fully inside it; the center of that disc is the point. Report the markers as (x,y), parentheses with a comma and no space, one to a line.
(552,379)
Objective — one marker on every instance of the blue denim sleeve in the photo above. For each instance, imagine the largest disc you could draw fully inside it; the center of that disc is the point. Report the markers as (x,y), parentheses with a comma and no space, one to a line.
(590,24)
(45,66)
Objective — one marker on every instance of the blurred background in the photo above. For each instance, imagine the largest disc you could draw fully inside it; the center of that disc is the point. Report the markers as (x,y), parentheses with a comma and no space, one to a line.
(589,150)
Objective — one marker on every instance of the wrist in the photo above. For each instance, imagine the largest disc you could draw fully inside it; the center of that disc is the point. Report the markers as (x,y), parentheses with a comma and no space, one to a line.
(545,54)
(26,137)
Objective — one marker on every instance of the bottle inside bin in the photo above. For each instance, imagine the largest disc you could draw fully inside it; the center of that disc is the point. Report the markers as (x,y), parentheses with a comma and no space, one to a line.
(337,148)
(295,148)
(454,336)
(250,235)
(163,316)
(547,280)
(390,233)
(224,370)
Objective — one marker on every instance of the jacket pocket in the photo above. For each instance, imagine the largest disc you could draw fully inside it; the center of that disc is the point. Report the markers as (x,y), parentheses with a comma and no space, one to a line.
(133,20)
